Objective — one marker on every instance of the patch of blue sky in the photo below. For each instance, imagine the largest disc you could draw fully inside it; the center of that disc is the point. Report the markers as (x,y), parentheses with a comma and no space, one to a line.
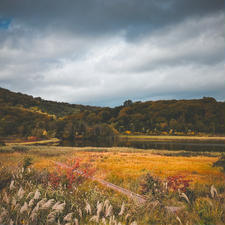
(5,23)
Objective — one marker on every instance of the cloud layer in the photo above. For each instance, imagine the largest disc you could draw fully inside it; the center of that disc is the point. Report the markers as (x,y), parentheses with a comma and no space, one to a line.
(104,52)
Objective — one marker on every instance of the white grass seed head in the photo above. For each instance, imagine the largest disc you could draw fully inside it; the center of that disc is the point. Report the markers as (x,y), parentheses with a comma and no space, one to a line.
(12,186)
(48,204)
(24,208)
(68,217)
(213,191)
(122,209)
(37,194)
(20,193)
(88,208)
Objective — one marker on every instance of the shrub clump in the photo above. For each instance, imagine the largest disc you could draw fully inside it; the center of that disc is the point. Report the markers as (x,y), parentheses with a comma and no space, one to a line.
(220,162)
(5,177)
(2,143)
(150,184)
(21,149)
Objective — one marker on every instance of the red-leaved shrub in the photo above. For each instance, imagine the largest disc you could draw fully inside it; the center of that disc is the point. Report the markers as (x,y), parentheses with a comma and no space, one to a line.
(70,174)
(178,182)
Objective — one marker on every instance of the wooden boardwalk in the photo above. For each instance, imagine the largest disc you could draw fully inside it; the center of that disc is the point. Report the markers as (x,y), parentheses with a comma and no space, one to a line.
(139,199)
(136,197)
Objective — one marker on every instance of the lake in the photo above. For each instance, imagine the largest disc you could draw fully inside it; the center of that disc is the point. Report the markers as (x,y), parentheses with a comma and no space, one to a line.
(169,144)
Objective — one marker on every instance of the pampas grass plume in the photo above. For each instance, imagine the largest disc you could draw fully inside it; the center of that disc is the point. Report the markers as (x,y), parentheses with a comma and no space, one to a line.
(12,186)
(76,221)
(24,208)
(99,208)
(6,198)
(31,202)
(213,191)
(88,208)
(20,193)
(28,196)
(104,221)
(183,195)
(68,217)
(37,194)
(13,201)
(51,217)
(48,204)
(179,220)
(108,211)
(122,209)
(94,219)
(80,213)
(59,207)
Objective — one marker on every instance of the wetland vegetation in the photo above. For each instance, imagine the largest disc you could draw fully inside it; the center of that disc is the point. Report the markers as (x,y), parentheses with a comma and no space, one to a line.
(193,184)
(171,153)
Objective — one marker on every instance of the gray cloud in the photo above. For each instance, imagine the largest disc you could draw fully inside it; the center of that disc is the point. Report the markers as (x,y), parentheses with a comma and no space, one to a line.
(100,16)
(103,52)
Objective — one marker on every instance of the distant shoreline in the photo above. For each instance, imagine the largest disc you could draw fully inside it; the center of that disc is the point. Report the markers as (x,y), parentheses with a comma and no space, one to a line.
(167,137)
(44,142)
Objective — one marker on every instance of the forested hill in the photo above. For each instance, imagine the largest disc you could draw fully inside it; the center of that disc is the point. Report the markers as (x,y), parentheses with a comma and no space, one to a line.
(22,115)
(204,115)
(58,109)
(178,117)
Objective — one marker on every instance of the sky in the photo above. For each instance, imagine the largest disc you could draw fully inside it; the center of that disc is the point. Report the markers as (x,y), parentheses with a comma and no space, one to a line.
(103,52)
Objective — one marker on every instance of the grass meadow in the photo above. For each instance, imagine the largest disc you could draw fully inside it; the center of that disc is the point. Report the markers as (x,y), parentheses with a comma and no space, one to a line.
(187,180)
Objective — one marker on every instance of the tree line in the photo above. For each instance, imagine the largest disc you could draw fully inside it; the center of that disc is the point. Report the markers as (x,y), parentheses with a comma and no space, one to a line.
(24,116)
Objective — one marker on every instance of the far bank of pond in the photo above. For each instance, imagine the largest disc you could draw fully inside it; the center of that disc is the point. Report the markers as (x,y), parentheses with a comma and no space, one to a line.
(188,143)
(216,144)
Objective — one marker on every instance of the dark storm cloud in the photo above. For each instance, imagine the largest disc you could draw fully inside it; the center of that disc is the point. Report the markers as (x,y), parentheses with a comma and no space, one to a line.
(101,16)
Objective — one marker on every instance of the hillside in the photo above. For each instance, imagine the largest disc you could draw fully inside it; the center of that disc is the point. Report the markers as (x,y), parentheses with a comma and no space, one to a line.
(199,115)
(23,115)
(162,117)
(17,121)
(58,109)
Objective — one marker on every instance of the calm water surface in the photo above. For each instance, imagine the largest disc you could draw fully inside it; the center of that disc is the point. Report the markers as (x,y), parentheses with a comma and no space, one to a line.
(189,145)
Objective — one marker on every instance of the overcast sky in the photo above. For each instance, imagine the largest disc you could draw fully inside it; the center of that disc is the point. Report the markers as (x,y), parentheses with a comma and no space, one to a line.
(103,52)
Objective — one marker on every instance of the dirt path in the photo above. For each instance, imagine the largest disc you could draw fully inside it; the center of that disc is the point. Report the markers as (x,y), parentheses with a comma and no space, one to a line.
(51,141)
(136,197)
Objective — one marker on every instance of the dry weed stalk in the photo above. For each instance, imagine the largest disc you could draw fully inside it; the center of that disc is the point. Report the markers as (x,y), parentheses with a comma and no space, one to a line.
(122,209)
(179,220)
(183,195)
(213,191)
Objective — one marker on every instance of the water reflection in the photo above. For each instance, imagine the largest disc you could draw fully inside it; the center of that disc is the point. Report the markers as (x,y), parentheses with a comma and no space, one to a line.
(111,141)
(97,142)
(174,145)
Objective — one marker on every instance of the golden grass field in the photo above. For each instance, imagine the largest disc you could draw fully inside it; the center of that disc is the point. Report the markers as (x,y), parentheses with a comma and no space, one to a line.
(122,165)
